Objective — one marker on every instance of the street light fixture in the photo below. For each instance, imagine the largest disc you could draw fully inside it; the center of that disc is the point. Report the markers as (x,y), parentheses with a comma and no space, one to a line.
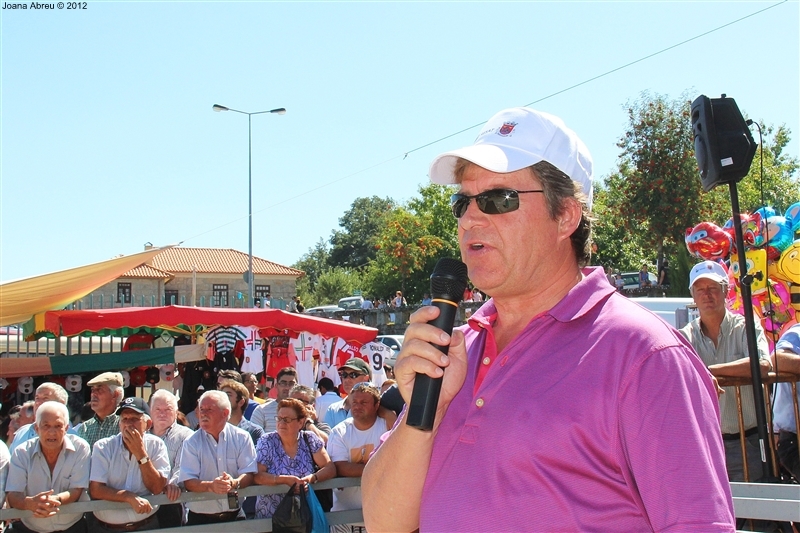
(277,111)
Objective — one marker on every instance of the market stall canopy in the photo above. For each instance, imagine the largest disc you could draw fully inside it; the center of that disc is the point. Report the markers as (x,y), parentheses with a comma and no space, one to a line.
(21,299)
(125,321)
(62,365)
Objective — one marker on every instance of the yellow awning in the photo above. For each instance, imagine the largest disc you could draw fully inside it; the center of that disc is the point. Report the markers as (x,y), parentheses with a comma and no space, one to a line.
(21,299)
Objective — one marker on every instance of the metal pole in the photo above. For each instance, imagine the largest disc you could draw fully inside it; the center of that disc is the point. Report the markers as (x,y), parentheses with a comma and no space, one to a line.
(745,280)
(250,286)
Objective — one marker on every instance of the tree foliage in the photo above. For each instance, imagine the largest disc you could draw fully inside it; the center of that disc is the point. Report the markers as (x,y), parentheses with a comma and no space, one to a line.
(354,245)
(335,283)
(659,190)
(405,248)
(313,263)
(616,246)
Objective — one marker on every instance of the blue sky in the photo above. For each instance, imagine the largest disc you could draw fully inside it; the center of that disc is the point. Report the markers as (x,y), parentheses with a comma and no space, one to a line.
(109,140)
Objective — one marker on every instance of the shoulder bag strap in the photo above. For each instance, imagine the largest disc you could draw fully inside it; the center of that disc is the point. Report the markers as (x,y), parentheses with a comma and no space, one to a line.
(308,445)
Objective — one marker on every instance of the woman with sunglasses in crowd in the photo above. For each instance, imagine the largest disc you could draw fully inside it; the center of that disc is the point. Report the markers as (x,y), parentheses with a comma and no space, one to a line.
(288,456)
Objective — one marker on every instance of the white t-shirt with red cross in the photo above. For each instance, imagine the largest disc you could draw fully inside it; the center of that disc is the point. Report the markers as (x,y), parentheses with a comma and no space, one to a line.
(253,357)
(304,347)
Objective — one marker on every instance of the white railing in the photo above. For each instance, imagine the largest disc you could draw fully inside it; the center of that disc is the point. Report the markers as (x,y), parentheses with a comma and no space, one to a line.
(243,526)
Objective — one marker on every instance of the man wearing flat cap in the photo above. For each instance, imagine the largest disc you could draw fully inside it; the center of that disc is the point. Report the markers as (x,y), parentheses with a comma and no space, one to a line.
(107,393)
(618,427)
(126,467)
(720,340)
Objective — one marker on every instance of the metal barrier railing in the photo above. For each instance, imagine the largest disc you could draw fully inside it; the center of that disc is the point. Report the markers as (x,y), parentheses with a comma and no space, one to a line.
(763,501)
(766,501)
(255,525)
(769,380)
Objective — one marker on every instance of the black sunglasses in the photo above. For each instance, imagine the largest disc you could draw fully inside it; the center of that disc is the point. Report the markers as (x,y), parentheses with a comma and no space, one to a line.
(351,375)
(491,202)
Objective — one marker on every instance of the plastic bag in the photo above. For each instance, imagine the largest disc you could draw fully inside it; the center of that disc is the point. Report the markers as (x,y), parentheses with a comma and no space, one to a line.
(318,519)
(293,514)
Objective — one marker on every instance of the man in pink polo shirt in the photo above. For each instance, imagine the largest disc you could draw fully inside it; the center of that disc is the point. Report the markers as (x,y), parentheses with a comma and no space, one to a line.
(564,406)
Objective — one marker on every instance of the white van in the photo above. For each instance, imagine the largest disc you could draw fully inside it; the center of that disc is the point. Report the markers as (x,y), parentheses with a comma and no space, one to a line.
(677,312)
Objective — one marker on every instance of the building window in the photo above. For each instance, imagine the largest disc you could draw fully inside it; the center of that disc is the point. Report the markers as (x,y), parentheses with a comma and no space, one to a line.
(220,297)
(123,293)
(171,297)
(261,291)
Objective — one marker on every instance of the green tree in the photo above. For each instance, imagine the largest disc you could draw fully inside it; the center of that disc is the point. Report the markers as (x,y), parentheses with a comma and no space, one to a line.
(405,248)
(433,205)
(335,283)
(354,245)
(617,247)
(660,192)
(313,263)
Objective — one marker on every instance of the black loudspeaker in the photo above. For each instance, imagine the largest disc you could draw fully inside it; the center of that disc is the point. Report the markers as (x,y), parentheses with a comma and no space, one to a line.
(723,145)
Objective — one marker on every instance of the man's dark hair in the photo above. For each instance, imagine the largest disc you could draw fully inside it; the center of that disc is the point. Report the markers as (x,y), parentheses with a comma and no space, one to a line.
(230,374)
(326,384)
(287,371)
(557,188)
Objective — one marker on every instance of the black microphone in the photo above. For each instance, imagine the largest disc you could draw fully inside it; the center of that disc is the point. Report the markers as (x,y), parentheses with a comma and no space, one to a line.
(448,282)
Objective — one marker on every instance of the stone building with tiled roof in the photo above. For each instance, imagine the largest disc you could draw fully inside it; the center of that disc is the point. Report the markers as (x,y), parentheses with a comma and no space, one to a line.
(204,277)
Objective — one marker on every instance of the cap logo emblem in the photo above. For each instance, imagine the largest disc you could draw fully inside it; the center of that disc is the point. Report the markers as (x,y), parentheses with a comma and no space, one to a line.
(128,400)
(506,129)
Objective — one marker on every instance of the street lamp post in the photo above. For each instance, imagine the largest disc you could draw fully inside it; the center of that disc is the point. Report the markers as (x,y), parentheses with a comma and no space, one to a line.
(278,111)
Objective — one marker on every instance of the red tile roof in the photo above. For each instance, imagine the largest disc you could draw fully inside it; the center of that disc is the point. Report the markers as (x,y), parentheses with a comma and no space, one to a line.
(147,272)
(216,261)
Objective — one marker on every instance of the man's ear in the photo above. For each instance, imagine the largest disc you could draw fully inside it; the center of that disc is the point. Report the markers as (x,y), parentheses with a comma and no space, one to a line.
(570,217)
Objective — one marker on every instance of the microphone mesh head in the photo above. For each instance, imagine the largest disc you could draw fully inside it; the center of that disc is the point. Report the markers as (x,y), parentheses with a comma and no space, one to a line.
(449,279)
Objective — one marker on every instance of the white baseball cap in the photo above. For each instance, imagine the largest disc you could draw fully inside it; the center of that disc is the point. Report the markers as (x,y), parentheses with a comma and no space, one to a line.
(517,138)
(708,270)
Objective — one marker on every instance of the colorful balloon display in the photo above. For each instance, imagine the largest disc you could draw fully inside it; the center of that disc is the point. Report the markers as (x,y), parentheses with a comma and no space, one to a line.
(772,253)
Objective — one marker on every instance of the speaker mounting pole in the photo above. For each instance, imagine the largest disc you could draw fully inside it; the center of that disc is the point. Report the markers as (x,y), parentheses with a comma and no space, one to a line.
(724,149)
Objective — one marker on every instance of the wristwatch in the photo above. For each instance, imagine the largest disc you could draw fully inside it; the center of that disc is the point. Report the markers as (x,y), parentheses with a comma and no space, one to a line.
(144,460)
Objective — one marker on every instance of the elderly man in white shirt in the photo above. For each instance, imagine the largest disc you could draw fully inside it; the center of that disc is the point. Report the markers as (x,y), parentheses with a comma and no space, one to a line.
(126,467)
(218,458)
(164,412)
(47,472)
(46,392)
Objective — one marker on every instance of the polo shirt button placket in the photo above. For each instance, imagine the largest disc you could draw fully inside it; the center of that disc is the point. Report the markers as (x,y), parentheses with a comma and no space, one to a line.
(479,402)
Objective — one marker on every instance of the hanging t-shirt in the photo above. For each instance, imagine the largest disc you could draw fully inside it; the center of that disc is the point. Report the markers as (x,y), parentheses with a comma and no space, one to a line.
(165,340)
(138,341)
(224,338)
(327,368)
(304,347)
(279,356)
(375,353)
(252,355)
(344,350)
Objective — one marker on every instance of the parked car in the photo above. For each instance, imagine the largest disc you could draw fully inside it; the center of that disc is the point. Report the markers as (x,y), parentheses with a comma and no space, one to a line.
(351,302)
(631,280)
(395,342)
(325,311)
